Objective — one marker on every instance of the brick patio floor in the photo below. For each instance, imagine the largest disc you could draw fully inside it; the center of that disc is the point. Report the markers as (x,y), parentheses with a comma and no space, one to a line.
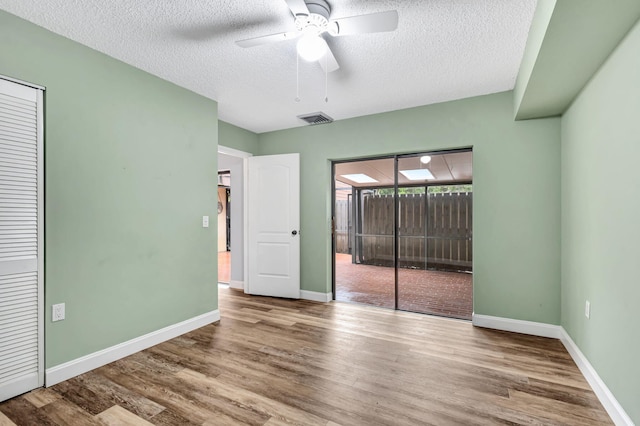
(431,292)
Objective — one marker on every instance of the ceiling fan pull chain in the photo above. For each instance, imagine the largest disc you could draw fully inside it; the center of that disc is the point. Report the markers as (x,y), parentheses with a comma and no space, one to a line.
(326,78)
(297,77)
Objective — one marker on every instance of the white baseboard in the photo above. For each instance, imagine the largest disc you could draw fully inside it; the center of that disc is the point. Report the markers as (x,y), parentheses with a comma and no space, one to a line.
(610,403)
(81,365)
(236,284)
(517,326)
(316,296)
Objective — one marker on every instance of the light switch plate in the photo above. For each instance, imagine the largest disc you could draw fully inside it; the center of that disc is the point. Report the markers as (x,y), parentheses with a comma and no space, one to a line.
(205,221)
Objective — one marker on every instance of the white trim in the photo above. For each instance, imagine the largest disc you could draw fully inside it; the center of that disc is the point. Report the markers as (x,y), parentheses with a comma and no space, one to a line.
(81,365)
(610,403)
(24,83)
(315,296)
(517,326)
(41,233)
(245,224)
(243,155)
(233,152)
(236,284)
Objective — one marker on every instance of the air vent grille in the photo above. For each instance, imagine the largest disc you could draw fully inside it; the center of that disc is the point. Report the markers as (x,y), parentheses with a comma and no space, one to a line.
(316,118)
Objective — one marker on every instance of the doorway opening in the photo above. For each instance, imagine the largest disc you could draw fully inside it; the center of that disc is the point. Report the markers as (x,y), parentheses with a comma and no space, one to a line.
(224,227)
(231,168)
(403,232)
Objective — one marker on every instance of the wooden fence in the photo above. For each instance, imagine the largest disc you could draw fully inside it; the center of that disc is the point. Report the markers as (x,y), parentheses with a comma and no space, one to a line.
(343,226)
(434,231)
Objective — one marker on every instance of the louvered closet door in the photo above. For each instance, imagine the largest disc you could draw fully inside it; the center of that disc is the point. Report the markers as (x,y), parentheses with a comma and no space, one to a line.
(21,271)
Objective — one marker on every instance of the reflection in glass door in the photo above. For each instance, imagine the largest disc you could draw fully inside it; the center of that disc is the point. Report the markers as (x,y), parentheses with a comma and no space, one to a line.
(402,233)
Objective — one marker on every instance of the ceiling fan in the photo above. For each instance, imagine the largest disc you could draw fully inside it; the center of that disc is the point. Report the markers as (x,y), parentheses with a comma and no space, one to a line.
(313,20)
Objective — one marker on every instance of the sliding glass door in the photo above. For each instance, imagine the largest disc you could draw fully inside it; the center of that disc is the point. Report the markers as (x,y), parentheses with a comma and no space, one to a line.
(364,233)
(434,224)
(402,233)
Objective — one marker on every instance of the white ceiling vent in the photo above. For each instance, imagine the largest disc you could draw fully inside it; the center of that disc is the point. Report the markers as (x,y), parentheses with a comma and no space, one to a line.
(316,118)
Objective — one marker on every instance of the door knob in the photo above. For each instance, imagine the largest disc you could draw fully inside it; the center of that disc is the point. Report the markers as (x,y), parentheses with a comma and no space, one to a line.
(294,232)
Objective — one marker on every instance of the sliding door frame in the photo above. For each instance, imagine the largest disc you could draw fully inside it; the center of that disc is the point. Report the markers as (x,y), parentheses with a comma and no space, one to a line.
(396,198)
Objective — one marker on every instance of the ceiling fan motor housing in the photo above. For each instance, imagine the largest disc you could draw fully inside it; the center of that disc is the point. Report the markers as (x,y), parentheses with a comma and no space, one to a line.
(318,19)
(312,21)
(319,7)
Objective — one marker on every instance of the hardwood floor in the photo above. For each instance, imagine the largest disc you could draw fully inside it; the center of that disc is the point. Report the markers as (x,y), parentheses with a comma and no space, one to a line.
(276,362)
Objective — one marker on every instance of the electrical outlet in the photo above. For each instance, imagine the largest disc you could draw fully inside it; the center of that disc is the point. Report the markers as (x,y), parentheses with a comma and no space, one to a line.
(587,309)
(205,221)
(57,312)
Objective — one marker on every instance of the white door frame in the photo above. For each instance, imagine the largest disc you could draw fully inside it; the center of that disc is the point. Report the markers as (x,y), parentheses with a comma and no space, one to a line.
(241,155)
(41,225)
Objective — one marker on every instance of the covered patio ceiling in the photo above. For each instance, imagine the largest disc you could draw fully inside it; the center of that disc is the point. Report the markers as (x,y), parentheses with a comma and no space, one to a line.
(449,167)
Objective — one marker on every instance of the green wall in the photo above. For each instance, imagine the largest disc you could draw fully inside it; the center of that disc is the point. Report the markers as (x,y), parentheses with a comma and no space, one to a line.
(237,138)
(600,227)
(516,173)
(130,171)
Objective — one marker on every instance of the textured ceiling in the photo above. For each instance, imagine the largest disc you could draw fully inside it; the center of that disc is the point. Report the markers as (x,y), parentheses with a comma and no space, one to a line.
(442,50)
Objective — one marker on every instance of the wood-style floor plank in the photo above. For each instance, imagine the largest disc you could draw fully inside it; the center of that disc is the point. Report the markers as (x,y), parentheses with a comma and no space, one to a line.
(118,416)
(63,412)
(293,362)
(41,397)
(5,421)
(22,412)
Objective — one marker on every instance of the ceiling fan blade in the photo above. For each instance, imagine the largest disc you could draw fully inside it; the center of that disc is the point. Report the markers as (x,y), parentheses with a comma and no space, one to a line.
(361,24)
(328,62)
(273,38)
(298,7)
(214,29)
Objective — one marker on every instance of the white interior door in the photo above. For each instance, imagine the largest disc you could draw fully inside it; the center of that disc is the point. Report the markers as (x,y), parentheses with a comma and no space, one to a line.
(21,226)
(273,225)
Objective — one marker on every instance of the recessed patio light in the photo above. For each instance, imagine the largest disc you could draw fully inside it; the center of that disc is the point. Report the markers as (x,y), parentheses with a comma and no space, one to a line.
(360,178)
(417,174)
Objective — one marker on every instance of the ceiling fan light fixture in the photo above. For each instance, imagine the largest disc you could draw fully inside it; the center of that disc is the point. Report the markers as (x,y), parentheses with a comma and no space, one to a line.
(311,47)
